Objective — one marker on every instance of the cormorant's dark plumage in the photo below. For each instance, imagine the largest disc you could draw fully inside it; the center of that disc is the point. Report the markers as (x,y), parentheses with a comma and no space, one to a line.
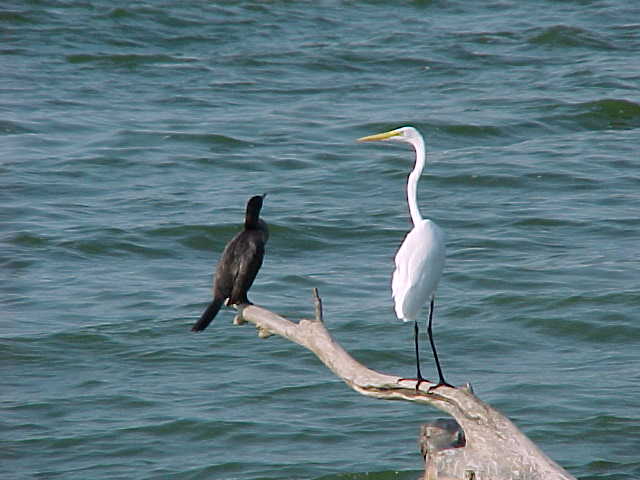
(238,265)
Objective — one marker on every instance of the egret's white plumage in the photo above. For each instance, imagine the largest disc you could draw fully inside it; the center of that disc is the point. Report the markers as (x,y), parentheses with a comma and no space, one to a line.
(419,265)
(420,259)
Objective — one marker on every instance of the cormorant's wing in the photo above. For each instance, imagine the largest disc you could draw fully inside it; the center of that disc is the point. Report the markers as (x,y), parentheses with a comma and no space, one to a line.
(248,265)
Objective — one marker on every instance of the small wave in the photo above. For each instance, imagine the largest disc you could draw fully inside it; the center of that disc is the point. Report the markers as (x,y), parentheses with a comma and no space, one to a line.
(617,113)
(480,131)
(120,13)
(604,114)
(535,221)
(299,240)
(15,18)
(615,332)
(193,428)
(566,36)
(494,181)
(151,137)
(110,242)
(207,138)
(126,60)
(82,340)
(199,237)
(57,349)
(27,239)
(611,299)
(8,127)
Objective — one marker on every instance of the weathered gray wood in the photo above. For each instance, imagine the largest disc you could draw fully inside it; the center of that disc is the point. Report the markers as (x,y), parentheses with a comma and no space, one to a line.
(495,448)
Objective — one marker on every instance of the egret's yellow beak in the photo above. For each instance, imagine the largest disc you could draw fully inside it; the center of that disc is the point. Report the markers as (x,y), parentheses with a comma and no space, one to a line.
(380,136)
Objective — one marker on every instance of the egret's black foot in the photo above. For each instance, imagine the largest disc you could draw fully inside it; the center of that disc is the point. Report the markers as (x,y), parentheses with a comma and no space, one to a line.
(441,383)
(417,380)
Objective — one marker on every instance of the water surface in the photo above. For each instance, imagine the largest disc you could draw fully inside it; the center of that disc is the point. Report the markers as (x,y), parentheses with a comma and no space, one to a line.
(131,136)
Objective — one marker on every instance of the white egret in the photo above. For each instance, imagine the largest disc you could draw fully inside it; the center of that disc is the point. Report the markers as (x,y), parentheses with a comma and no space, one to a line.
(420,258)
(238,264)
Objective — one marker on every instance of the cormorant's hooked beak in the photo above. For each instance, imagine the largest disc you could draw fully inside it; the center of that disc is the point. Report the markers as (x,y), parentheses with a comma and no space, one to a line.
(381,136)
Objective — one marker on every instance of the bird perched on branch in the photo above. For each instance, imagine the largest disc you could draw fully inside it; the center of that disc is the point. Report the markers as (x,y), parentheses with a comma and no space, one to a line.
(238,264)
(420,259)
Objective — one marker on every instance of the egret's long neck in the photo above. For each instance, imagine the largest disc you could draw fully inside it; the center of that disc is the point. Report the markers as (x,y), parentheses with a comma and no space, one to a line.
(412,183)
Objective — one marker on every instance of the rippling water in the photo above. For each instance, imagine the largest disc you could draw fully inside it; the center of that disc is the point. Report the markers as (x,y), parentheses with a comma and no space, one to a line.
(131,136)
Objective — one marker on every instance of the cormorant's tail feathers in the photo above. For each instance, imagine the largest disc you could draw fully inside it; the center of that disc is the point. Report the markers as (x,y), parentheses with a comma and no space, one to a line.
(208,315)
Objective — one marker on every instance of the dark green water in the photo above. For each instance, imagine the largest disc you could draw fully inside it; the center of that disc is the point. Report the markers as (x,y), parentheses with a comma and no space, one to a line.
(131,136)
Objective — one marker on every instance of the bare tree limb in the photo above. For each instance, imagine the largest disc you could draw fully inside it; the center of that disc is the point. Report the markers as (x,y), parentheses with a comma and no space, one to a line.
(494,448)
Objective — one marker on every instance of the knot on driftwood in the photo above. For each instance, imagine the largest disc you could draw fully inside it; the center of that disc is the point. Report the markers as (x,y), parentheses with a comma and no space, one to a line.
(443,434)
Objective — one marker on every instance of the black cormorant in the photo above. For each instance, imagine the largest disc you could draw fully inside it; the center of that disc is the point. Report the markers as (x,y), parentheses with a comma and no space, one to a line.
(238,265)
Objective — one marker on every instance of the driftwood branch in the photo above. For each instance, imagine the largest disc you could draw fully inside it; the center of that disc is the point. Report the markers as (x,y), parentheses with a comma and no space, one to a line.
(484,444)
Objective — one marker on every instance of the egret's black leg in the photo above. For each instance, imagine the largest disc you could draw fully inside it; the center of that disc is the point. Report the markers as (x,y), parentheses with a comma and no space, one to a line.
(419,376)
(441,381)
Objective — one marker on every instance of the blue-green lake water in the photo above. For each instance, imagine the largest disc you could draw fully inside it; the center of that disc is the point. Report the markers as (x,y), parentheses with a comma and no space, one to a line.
(131,136)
